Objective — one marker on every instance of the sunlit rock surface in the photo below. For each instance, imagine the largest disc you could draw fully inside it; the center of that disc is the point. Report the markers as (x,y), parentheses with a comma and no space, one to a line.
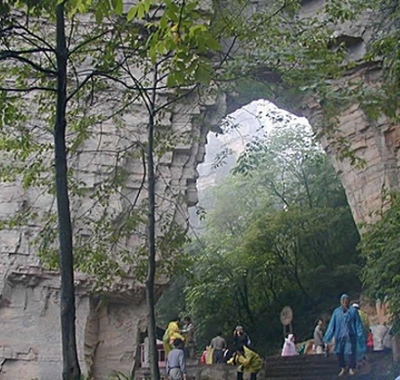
(109,328)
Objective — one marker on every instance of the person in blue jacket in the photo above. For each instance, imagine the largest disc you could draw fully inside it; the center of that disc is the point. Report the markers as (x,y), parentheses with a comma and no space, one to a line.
(347,329)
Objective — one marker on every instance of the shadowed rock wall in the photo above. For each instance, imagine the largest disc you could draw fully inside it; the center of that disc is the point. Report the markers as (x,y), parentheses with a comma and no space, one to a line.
(376,143)
(109,325)
(109,328)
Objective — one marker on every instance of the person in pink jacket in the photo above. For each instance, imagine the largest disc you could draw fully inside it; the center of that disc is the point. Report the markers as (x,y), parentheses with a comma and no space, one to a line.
(289,347)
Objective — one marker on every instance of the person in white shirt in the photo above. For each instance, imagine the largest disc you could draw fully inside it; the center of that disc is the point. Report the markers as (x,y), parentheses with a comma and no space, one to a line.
(380,332)
(289,347)
(319,338)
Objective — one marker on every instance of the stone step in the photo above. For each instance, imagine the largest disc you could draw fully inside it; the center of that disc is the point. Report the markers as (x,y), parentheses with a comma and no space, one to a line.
(317,366)
(296,373)
(312,359)
(308,368)
(311,367)
(304,370)
(321,376)
(301,368)
(322,363)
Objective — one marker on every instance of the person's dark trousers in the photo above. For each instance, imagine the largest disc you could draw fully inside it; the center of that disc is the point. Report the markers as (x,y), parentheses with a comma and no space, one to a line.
(352,358)
(253,376)
(218,356)
(341,343)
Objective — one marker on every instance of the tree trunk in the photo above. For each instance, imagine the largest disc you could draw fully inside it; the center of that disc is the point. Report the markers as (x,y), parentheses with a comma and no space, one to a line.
(71,370)
(151,266)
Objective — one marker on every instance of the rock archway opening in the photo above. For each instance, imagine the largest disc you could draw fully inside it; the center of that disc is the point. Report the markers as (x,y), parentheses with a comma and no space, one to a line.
(237,132)
(273,228)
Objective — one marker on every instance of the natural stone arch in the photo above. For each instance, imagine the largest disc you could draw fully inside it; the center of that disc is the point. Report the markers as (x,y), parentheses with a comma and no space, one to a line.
(102,326)
(374,143)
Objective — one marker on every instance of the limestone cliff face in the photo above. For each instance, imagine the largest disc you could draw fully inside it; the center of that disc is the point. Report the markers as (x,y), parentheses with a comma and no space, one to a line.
(376,143)
(109,326)
(111,321)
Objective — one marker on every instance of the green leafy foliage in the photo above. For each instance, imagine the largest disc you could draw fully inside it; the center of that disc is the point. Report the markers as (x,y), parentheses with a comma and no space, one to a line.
(289,240)
(380,248)
(178,35)
(174,37)
(294,53)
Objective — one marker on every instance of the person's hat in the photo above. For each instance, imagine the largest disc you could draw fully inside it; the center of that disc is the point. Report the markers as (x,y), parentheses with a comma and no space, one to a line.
(344,296)
(356,305)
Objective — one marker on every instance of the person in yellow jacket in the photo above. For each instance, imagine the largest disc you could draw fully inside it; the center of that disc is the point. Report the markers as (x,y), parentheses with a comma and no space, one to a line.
(360,353)
(171,333)
(364,318)
(248,361)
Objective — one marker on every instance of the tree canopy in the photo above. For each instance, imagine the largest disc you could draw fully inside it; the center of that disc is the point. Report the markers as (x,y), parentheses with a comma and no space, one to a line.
(289,240)
(290,212)
(77,66)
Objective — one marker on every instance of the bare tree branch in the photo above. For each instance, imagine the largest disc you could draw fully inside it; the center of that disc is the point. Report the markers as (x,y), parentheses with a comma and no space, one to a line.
(34,35)
(4,55)
(88,41)
(28,89)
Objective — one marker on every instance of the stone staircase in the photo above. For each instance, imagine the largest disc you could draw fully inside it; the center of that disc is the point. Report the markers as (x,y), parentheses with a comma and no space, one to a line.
(317,367)
(302,367)
(308,367)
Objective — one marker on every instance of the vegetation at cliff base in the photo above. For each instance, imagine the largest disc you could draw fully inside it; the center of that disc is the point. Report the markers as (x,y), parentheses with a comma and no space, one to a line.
(381,249)
(280,233)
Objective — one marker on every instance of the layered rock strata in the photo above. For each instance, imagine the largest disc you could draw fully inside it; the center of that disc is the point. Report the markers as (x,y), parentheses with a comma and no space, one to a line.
(109,325)
(374,143)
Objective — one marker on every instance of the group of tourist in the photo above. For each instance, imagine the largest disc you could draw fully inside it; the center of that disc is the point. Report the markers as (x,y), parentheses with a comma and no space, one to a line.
(350,330)
(180,343)
(242,356)
(348,327)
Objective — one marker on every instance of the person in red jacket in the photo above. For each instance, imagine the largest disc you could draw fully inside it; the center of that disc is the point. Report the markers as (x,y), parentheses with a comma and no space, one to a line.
(203,357)
(370,341)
